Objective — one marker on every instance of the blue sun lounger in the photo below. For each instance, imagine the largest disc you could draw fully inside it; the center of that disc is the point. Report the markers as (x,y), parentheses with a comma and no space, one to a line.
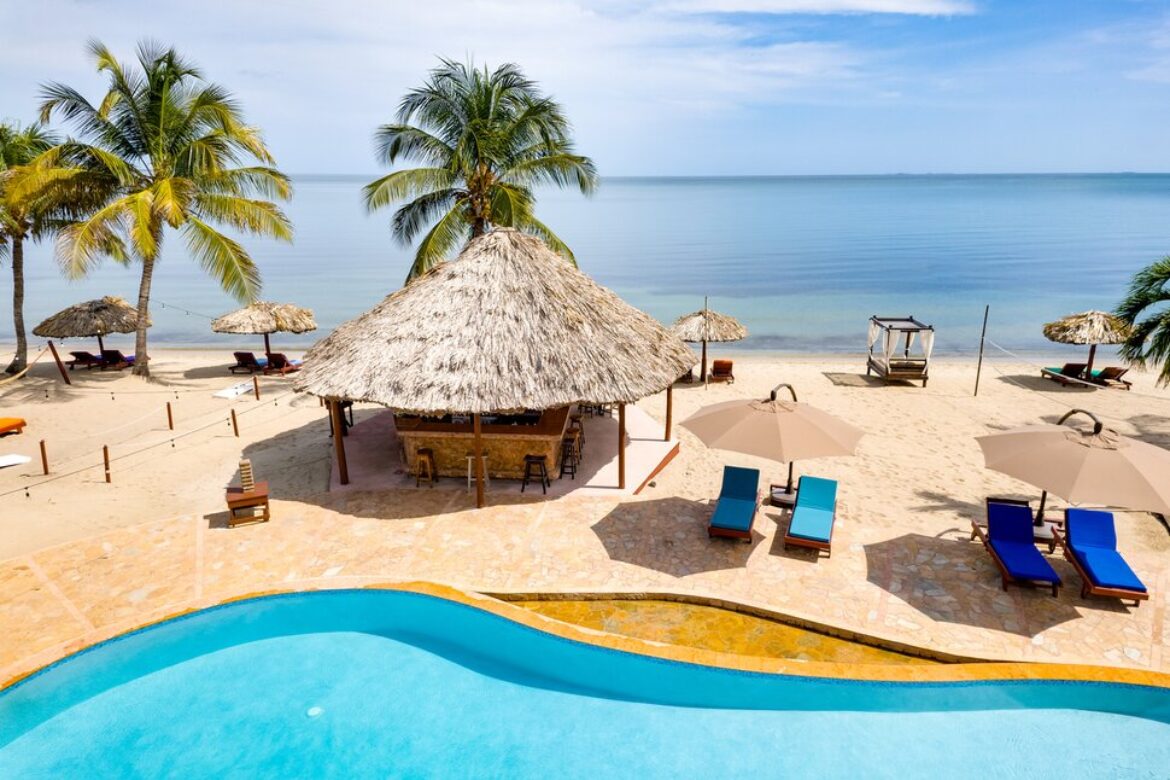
(738,500)
(813,515)
(1090,544)
(1010,540)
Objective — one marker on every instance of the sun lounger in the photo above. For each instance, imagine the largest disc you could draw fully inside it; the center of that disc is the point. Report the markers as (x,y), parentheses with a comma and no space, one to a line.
(1090,544)
(721,372)
(738,500)
(247,361)
(112,358)
(1066,374)
(10,426)
(82,358)
(813,515)
(1009,540)
(1112,377)
(279,364)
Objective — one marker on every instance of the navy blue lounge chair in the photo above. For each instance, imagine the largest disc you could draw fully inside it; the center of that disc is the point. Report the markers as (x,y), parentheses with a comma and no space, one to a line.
(813,515)
(1090,544)
(1010,540)
(738,500)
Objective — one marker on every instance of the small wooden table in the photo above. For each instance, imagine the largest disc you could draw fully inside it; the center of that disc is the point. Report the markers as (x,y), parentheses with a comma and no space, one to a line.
(238,501)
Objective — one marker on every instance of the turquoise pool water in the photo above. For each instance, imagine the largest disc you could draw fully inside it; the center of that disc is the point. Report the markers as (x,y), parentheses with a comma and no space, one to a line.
(355,684)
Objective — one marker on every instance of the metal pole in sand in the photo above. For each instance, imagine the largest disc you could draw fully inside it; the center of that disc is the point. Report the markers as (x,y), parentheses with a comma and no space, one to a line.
(982,339)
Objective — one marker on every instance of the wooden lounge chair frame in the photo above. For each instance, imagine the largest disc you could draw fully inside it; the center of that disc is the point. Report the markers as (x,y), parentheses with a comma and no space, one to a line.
(1005,575)
(278,363)
(812,544)
(114,359)
(12,426)
(83,358)
(1067,375)
(722,371)
(1087,586)
(1111,376)
(734,533)
(243,364)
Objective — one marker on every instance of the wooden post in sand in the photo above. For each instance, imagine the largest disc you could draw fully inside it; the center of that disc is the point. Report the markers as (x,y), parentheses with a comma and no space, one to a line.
(44,458)
(621,446)
(256,386)
(106,460)
(60,365)
(477,451)
(170,417)
(338,420)
(235,424)
(669,409)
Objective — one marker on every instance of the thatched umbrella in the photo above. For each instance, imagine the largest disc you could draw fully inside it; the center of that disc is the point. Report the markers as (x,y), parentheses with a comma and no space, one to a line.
(267,318)
(508,325)
(100,317)
(706,325)
(1090,327)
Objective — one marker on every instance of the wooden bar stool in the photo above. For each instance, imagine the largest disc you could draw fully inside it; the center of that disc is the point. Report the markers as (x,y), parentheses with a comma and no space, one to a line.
(487,480)
(536,467)
(577,423)
(569,456)
(424,467)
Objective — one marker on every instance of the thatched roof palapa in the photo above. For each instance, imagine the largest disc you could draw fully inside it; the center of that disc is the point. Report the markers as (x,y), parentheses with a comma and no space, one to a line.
(266,318)
(1090,327)
(91,318)
(507,325)
(707,325)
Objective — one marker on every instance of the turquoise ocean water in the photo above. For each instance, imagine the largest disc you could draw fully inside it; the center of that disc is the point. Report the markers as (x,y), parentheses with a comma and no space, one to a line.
(802,261)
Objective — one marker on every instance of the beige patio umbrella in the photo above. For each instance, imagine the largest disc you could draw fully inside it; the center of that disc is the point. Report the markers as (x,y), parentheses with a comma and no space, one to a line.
(266,318)
(1098,466)
(774,428)
(705,325)
(88,319)
(508,325)
(1090,327)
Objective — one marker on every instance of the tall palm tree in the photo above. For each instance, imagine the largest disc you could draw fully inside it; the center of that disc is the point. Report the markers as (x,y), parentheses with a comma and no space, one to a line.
(164,148)
(1149,296)
(21,219)
(484,139)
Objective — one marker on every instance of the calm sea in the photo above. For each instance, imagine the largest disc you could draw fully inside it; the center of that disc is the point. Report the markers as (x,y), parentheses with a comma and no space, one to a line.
(801,261)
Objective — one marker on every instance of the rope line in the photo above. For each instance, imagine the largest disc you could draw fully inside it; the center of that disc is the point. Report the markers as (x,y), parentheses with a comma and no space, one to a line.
(25,370)
(1085,383)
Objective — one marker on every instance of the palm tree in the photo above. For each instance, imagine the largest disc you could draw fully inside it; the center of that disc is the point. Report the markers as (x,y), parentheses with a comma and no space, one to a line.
(1149,295)
(485,139)
(21,219)
(164,148)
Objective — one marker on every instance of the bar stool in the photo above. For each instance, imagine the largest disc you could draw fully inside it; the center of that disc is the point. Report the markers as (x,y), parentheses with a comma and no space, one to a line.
(536,467)
(574,435)
(487,480)
(424,467)
(576,422)
(569,457)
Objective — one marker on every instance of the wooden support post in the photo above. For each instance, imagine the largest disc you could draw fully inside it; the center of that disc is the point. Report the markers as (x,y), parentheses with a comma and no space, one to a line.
(478,452)
(44,458)
(170,417)
(60,365)
(256,386)
(703,369)
(235,424)
(669,410)
(106,460)
(621,446)
(339,440)
(982,340)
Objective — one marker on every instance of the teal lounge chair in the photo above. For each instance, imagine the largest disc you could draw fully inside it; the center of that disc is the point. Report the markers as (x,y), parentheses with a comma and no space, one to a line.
(1066,374)
(813,515)
(1090,544)
(1010,539)
(738,500)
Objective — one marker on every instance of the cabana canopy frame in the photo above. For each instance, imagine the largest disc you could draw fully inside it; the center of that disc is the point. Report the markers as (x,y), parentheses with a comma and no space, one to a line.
(889,336)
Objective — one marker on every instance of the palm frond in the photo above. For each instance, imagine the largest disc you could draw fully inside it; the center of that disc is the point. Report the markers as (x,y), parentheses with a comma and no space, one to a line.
(448,234)
(401,185)
(223,259)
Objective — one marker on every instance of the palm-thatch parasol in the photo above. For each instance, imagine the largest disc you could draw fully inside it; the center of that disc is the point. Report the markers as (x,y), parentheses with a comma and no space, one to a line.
(100,317)
(508,325)
(266,318)
(1090,327)
(706,325)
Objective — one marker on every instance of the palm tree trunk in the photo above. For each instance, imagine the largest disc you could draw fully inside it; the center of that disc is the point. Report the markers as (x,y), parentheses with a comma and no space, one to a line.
(21,360)
(141,358)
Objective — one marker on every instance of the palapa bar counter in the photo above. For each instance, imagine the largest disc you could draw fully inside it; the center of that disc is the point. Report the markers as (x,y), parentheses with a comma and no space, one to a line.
(506,440)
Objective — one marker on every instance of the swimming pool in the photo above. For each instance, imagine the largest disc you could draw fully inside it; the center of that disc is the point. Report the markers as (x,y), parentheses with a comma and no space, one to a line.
(392,683)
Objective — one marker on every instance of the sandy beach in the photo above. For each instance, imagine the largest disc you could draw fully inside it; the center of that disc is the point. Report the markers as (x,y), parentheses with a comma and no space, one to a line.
(81,559)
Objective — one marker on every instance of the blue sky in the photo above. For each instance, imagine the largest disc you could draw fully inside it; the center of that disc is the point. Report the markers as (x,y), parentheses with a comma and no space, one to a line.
(681,87)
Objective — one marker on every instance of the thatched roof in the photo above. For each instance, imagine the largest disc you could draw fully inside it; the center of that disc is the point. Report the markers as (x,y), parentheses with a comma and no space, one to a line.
(91,318)
(507,325)
(1090,327)
(707,325)
(266,318)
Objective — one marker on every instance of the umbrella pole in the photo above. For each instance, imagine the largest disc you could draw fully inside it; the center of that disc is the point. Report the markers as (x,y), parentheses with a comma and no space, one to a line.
(339,440)
(1089,367)
(1040,511)
(788,489)
(267,348)
(703,370)
(669,410)
(101,346)
(477,450)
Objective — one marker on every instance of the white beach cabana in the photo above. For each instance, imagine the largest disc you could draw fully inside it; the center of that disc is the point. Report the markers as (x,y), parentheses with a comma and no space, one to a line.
(899,348)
